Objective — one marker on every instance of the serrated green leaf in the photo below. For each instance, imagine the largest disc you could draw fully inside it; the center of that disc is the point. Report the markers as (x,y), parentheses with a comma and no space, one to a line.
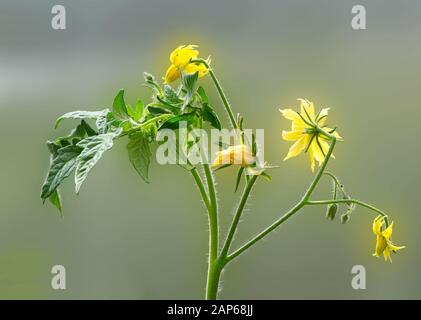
(173,123)
(210,116)
(53,147)
(157,110)
(140,154)
(136,112)
(202,94)
(93,149)
(80,115)
(87,128)
(170,95)
(103,121)
(61,167)
(55,199)
(119,105)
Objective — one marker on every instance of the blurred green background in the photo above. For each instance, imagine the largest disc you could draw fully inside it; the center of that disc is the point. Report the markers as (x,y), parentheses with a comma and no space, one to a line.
(121,238)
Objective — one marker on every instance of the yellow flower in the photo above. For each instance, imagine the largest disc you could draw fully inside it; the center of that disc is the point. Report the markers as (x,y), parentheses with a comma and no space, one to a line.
(237,155)
(180,62)
(305,131)
(383,244)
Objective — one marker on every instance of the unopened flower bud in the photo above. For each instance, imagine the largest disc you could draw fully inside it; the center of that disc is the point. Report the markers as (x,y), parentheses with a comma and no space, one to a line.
(148,76)
(331,211)
(344,218)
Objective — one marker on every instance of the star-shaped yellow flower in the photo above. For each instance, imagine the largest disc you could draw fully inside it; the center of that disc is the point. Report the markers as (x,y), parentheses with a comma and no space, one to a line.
(305,131)
(383,243)
(180,62)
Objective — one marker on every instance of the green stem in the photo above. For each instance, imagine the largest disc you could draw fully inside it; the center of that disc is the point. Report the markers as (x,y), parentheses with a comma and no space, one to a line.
(212,285)
(201,187)
(211,289)
(293,210)
(358,202)
(216,267)
(237,217)
(144,124)
(221,92)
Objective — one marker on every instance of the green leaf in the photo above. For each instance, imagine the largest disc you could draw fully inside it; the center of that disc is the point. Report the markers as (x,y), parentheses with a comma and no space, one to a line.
(87,128)
(119,105)
(189,83)
(140,154)
(202,94)
(173,123)
(136,113)
(80,115)
(93,149)
(157,110)
(208,113)
(210,116)
(170,95)
(238,180)
(61,167)
(103,121)
(53,147)
(55,199)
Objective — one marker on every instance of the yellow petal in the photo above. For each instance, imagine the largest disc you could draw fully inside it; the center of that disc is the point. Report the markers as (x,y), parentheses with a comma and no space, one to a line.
(290,115)
(298,147)
(381,245)
(323,116)
(182,55)
(377,225)
(387,233)
(317,152)
(386,254)
(394,248)
(237,155)
(292,135)
(242,155)
(172,74)
(192,68)
(307,109)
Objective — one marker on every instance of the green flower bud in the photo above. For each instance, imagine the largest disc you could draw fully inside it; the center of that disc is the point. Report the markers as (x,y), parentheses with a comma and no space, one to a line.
(148,76)
(344,218)
(331,211)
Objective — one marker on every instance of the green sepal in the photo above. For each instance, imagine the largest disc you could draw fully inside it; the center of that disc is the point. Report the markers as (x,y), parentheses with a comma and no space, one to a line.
(238,180)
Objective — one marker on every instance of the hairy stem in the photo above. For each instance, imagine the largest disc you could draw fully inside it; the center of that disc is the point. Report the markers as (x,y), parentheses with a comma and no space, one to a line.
(221,92)
(237,216)
(201,187)
(357,202)
(211,290)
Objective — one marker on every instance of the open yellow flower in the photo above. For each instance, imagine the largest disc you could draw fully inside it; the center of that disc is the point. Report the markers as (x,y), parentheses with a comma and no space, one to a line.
(237,155)
(305,131)
(383,243)
(180,62)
